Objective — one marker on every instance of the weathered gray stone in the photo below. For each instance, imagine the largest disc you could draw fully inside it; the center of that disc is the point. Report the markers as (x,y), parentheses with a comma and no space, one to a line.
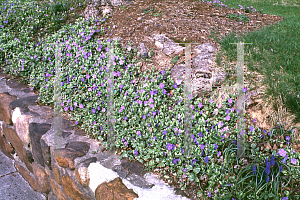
(23,102)
(36,131)
(120,170)
(139,181)
(46,153)
(111,161)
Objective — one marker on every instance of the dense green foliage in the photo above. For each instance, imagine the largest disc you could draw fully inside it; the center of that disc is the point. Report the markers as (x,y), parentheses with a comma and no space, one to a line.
(149,117)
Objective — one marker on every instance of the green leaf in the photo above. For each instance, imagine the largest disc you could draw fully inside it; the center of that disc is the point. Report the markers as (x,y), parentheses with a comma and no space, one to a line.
(196,170)
(189,167)
(161,164)
(192,176)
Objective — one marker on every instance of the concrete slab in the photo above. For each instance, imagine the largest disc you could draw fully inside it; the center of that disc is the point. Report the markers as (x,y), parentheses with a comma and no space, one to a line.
(13,185)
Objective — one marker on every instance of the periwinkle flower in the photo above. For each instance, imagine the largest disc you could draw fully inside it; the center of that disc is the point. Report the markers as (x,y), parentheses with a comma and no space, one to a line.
(169,146)
(206,159)
(282,152)
(294,161)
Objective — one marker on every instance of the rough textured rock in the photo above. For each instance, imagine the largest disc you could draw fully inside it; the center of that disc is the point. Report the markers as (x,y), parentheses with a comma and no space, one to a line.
(82,176)
(96,7)
(46,153)
(86,163)
(114,190)
(91,11)
(134,167)
(72,189)
(65,157)
(139,181)
(81,171)
(5,114)
(36,131)
(56,174)
(23,102)
(14,139)
(205,75)
(120,170)
(57,190)
(27,155)
(27,175)
(5,147)
(41,177)
(20,118)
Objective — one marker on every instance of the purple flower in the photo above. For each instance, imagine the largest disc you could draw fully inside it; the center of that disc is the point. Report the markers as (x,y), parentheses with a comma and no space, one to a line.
(251,129)
(229,100)
(193,161)
(202,146)
(267,170)
(227,118)
(206,159)
(219,153)
(184,170)
(200,134)
(138,132)
(216,146)
(287,138)
(161,85)
(209,194)
(169,146)
(175,161)
(268,178)
(200,105)
(294,161)
(282,152)
(135,152)
(254,169)
(272,160)
(244,89)
(175,85)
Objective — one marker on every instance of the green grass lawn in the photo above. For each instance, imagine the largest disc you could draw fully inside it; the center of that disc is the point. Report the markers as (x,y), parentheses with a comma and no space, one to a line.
(275,51)
(149,118)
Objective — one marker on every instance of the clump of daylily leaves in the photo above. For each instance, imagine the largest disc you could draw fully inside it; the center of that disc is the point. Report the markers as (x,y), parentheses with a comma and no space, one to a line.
(149,110)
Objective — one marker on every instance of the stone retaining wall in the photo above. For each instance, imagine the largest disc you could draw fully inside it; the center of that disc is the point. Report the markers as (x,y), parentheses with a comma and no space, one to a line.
(72,171)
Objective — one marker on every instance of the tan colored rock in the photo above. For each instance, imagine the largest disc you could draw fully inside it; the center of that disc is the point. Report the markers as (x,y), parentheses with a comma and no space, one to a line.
(14,139)
(66,156)
(114,190)
(71,189)
(57,191)
(41,177)
(21,123)
(82,176)
(26,160)
(5,147)
(5,100)
(56,174)
(25,173)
